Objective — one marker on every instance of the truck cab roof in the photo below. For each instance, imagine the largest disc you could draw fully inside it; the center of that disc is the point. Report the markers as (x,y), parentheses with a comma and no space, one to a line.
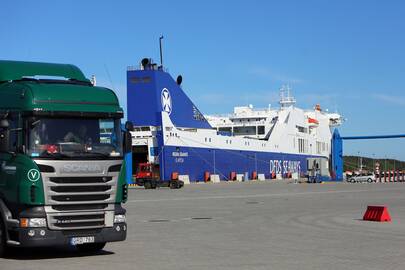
(20,90)
(17,70)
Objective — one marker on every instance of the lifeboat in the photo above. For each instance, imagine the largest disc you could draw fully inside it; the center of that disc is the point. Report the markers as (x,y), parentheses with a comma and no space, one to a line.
(313,121)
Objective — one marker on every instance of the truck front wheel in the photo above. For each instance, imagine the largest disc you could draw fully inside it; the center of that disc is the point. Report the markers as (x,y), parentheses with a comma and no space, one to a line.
(2,238)
(91,248)
(147,184)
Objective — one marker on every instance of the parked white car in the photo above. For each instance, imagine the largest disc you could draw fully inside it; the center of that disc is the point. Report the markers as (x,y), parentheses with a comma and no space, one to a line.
(363,177)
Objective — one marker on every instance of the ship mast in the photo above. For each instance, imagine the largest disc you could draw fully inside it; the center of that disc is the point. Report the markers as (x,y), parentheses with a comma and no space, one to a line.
(286,99)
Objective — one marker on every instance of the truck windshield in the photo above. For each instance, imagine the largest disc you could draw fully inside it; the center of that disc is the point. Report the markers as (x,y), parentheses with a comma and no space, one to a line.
(76,138)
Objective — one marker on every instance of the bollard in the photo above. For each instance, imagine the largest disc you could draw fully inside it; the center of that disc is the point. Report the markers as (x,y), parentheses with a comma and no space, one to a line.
(385,177)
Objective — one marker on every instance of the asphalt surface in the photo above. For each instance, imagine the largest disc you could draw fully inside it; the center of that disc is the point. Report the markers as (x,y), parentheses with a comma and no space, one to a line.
(257,225)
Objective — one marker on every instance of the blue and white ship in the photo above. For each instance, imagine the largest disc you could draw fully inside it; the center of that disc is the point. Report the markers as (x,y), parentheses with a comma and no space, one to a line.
(286,142)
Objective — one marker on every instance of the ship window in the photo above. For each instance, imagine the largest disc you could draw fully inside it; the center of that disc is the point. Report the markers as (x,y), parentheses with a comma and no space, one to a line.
(135,80)
(226,129)
(146,79)
(302,146)
(205,139)
(302,129)
(209,139)
(244,131)
(260,130)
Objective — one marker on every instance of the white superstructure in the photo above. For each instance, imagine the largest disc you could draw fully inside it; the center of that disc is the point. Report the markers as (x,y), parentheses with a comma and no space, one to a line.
(288,129)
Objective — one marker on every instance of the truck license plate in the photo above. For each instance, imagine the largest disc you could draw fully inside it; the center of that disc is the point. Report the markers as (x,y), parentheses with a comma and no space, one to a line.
(81,240)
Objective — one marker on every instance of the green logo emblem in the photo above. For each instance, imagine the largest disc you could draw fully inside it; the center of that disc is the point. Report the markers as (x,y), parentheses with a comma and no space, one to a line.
(33,175)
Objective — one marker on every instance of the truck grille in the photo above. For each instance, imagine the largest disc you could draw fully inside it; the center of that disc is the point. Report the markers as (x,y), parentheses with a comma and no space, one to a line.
(80,190)
(79,203)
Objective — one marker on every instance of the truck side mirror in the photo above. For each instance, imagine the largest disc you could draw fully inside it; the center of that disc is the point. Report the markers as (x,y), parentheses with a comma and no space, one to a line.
(4,135)
(127,142)
(129,126)
(128,137)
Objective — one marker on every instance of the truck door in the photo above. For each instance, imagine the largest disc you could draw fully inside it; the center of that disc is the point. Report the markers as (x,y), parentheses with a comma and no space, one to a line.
(8,168)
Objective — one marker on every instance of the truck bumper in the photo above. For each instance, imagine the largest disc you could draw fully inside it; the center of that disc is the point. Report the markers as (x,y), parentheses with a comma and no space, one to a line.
(42,237)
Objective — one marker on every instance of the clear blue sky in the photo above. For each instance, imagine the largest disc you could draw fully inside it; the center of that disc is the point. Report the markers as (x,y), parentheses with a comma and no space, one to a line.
(346,55)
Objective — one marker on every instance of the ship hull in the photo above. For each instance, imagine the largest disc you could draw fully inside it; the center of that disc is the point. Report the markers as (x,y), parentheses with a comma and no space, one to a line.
(196,162)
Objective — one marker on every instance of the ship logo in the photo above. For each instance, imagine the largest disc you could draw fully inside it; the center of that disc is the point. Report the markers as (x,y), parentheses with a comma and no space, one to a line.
(166,100)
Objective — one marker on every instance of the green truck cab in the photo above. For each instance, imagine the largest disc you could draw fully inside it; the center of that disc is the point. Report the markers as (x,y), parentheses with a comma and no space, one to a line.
(62,167)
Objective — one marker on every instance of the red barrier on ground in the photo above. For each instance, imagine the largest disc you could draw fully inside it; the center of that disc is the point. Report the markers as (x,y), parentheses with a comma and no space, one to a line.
(254,175)
(232,176)
(377,213)
(175,176)
(273,175)
(206,176)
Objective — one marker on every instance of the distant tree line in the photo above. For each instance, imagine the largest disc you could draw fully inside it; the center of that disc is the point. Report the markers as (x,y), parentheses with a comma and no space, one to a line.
(351,163)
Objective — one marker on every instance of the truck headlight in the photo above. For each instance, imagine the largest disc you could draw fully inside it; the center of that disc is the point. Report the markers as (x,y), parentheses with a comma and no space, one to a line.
(120,219)
(32,222)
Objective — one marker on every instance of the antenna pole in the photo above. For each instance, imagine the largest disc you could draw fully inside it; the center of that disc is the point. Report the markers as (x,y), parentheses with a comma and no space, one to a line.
(160,47)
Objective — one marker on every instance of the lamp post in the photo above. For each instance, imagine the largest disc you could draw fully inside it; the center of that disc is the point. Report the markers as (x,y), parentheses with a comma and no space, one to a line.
(373,163)
(358,160)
